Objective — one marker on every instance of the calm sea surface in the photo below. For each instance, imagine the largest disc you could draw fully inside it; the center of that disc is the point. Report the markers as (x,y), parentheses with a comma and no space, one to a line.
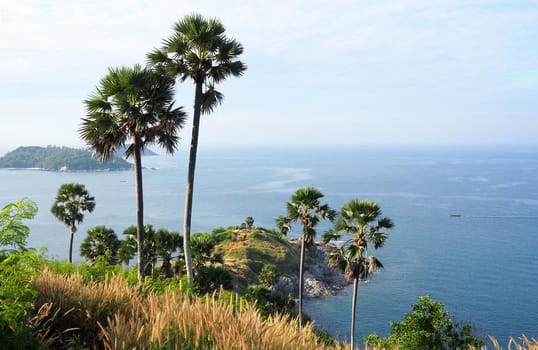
(482,265)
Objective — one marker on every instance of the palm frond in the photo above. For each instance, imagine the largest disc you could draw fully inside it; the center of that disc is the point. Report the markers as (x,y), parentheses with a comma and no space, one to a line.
(377,238)
(158,57)
(293,211)
(374,265)
(384,222)
(330,235)
(211,98)
(283,223)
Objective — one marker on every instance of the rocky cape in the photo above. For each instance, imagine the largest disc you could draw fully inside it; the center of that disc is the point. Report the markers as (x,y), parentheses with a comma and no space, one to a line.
(249,250)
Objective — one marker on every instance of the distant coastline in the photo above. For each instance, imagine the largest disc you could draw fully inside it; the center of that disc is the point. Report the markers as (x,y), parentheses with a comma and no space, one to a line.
(62,159)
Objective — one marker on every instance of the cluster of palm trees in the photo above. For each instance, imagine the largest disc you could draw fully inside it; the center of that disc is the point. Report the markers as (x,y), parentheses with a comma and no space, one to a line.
(135,106)
(359,218)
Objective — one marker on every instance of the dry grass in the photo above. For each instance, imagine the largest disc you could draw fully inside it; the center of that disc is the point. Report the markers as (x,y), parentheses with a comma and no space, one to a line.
(112,315)
(175,321)
(75,308)
(523,343)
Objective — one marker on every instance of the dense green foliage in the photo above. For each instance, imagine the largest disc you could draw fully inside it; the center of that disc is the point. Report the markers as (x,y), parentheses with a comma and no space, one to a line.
(210,278)
(268,275)
(17,266)
(55,158)
(269,303)
(246,252)
(13,232)
(17,297)
(159,246)
(428,326)
(100,242)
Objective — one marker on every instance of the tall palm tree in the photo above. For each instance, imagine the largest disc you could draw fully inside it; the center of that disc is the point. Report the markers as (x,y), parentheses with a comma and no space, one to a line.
(198,50)
(71,202)
(136,105)
(362,220)
(306,208)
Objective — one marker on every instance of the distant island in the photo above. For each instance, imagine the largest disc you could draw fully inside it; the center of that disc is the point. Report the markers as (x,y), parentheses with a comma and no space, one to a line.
(54,158)
(146,152)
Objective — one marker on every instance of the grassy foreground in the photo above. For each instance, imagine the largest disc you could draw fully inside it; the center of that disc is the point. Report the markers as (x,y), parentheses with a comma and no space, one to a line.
(114,315)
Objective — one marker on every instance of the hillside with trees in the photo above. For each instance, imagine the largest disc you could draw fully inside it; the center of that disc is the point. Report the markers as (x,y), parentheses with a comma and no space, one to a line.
(54,158)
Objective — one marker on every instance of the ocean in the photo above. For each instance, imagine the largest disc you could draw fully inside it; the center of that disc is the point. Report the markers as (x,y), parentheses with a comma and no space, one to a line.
(466,220)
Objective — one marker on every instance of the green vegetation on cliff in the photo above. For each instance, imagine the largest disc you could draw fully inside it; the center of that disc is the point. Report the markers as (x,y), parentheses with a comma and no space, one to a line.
(55,158)
(247,251)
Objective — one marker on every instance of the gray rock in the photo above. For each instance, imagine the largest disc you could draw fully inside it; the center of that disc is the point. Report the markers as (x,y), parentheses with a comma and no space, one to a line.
(320,280)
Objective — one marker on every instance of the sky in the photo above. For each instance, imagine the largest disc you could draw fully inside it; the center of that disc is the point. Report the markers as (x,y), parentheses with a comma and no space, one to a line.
(319,72)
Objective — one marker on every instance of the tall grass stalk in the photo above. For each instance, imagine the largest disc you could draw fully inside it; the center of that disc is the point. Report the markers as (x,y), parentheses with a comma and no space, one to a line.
(113,315)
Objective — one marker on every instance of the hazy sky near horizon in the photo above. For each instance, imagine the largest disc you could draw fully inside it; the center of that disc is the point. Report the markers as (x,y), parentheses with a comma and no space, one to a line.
(319,72)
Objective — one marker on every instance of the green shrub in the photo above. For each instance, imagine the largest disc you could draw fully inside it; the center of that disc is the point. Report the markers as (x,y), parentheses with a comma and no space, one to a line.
(268,275)
(13,233)
(17,296)
(211,278)
(269,303)
(101,242)
(99,270)
(160,285)
(17,267)
(428,326)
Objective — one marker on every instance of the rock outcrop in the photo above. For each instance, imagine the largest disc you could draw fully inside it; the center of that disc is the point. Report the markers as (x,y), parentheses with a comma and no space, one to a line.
(320,280)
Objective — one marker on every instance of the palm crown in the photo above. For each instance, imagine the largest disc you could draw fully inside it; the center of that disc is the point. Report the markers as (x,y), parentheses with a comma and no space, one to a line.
(363,220)
(132,102)
(305,207)
(198,49)
(71,202)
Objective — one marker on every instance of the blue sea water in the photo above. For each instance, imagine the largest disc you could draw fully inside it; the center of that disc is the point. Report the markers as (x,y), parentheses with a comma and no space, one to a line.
(482,265)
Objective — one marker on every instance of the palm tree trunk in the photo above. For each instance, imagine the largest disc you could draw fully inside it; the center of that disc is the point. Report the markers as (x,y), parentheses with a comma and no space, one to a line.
(139,207)
(301,282)
(190,182)
(72,230)
(353,310)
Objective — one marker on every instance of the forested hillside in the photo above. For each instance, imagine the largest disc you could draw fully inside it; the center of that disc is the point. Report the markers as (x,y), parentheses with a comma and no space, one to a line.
(56,158)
